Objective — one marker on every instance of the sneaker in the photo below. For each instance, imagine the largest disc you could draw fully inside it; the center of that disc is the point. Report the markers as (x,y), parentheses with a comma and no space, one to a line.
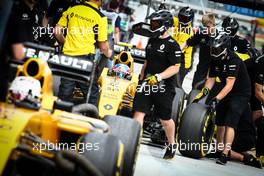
(170,151)
(222,159)
(216,154)
(250,160)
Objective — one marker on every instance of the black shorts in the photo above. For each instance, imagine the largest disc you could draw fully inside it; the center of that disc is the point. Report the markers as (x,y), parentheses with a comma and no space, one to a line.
(162,100)
(243,142)
(255,104)
(230,110)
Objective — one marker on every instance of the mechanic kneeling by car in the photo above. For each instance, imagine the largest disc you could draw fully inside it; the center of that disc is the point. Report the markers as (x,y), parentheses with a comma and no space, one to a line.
(163,58)
(233,100)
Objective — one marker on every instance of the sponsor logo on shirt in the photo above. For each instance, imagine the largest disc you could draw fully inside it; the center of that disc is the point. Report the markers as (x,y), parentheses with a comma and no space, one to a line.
(161,49)
(25,16)
(232,67)
(60,10)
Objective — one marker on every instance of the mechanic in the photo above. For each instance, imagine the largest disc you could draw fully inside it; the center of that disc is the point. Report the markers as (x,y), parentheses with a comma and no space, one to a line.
(86,25)
(201,38)
(248,54)
(163,58)
(20,28)
(259,122)
(113,22)
(113,29)
(52,17)
(245,140)
(232,101)
(55,10)
(182,32)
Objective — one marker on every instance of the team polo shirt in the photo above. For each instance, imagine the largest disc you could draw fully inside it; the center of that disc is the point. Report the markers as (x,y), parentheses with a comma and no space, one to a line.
(232,67)
(85,25)
(161,54)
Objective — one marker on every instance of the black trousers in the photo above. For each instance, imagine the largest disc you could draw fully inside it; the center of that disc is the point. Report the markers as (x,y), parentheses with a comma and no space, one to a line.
(67,87)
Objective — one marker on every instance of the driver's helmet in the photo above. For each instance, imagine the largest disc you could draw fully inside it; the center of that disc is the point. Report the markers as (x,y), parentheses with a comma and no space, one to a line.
(25,88)
(121,70)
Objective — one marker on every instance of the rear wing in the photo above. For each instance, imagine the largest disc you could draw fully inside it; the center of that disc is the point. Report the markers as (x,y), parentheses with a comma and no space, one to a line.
(69,67)
(138,55)
(78,69)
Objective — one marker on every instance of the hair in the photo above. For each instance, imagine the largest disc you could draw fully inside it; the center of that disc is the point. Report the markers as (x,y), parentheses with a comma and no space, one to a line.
(208,18)
(114,4)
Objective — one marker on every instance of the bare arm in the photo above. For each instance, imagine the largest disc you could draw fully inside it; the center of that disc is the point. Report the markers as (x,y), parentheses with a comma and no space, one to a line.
(45,21)
(259,92)
(117,34)
(170,71)
(18,51)
(104,48)
(210,82)
(58,33)
(228,87)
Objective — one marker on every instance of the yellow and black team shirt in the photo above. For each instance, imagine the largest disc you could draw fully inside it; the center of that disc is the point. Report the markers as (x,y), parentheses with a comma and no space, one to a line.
(181,35)
(85,25)
(259,70)
(232,67)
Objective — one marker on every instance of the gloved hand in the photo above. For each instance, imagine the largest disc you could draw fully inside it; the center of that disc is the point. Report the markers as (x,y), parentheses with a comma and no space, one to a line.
(213,103)
(153,79)
(205,91)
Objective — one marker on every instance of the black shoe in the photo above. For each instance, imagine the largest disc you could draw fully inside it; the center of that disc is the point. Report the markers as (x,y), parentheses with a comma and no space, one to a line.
(170,151)
(216,154)
(250,160)
(222,159)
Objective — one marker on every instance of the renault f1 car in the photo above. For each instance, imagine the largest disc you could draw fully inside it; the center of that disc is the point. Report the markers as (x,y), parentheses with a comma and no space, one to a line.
(119,84)
(44,137)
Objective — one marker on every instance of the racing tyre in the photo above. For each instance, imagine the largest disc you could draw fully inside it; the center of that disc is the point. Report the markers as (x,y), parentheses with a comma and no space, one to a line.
(86,109)
(196,131)
(177,105)
(128,131)
(104,151)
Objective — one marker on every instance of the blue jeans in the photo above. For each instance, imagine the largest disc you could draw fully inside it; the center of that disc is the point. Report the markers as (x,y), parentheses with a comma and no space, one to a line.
(67,87)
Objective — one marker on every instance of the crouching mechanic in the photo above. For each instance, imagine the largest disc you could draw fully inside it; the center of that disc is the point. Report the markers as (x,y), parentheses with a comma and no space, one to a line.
(86,25)
(259,83)
(163,57)
(233,100)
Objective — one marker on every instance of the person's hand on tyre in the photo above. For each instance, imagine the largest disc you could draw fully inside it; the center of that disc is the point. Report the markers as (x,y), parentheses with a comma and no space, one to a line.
(153,79)
(205,91)
(213,103)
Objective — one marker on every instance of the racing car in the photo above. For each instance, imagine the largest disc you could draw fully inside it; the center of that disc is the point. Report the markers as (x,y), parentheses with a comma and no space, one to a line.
(41,136)
(118,84)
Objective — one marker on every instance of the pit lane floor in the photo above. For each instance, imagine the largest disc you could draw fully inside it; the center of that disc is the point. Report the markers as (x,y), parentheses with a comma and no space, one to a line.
(150,160)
